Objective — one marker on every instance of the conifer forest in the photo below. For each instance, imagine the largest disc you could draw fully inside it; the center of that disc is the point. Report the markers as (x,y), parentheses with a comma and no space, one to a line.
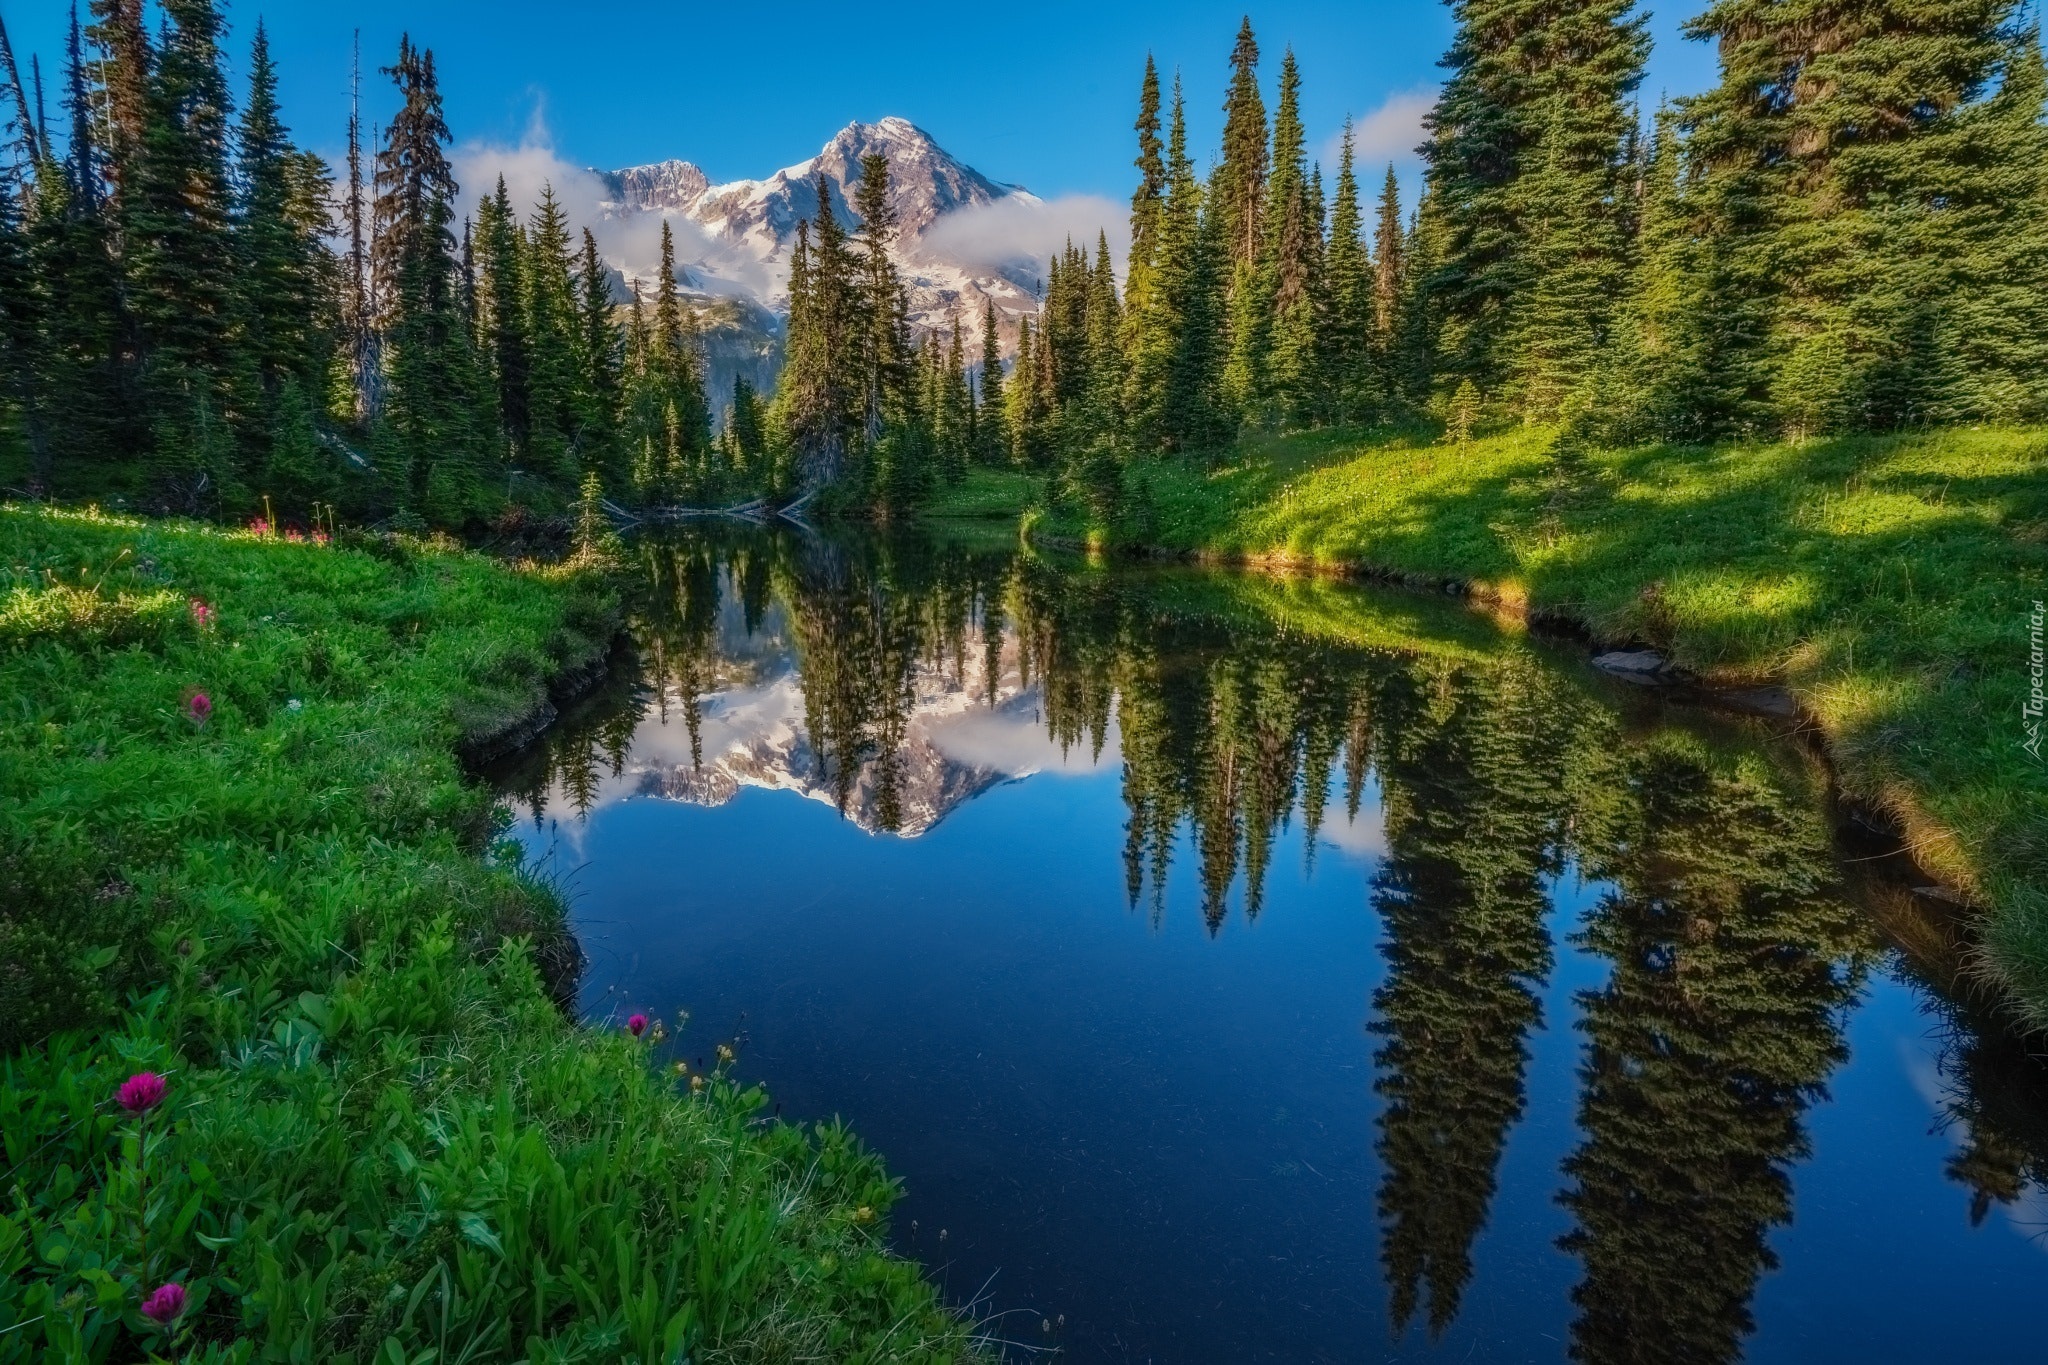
(1347,752)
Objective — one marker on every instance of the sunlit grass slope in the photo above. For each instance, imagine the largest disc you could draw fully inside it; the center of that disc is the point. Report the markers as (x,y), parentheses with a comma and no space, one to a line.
(1887,580)
(381,1139)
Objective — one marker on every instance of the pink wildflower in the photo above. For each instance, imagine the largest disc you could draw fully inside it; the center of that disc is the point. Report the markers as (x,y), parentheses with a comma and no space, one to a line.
(319,537)
(163,1306)
(202,614)
(260,527)
(637,1025)
(141,1093)
(198,707)
(292,534)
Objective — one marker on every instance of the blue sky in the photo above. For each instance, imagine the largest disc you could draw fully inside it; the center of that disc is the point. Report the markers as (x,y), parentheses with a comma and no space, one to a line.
(1041,94)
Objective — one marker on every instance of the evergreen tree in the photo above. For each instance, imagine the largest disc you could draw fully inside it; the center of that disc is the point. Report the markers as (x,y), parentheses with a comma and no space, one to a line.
(1022,417)
(882,305)
(1524,155)
(548,314)
(358,312)
(1291,267)
(1237,204)
(1852,166)
(1190,300)
(991,417)
(599,353)
(1389,265)
(1148,206)
(1150,324)
(1348,332)
(823,411)
(283,280)
(432,380)
(180,266)
(123,70)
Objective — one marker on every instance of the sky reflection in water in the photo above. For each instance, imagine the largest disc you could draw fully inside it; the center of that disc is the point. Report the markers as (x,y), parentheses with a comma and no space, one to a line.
(1234,985)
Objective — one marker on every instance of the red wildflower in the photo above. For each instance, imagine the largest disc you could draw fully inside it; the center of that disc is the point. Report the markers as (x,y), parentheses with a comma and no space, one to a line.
(637,1025)
(163,1306)
(141,1092)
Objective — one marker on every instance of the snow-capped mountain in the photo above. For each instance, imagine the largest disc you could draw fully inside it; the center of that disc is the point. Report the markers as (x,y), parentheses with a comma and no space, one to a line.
(745,229)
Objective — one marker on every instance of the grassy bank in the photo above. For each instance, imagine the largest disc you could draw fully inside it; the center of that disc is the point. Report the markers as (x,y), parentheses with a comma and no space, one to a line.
(236,850)
(1887,580)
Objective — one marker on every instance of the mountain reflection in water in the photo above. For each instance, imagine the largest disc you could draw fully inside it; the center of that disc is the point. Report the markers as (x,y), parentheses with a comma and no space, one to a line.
(1613,967)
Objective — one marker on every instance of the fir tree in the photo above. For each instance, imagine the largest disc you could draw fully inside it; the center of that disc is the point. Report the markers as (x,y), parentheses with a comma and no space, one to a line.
(1291,267)
(501,311)
(1148,206)
(991,418)
(432,381)
(882,307)
(1848,166)
(1389,265)
(1237,203)
(1348,332)
(599,354)
(282,280)
(1524,157)
(549,317)
(180,266)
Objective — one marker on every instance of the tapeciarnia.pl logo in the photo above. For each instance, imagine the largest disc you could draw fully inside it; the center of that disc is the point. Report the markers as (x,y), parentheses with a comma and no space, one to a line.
(2031,708)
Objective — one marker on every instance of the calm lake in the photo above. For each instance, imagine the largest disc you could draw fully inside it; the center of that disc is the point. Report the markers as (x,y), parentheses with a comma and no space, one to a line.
(1239,970)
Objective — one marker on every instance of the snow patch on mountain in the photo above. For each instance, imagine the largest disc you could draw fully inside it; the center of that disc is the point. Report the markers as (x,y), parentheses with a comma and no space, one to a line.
(964,239)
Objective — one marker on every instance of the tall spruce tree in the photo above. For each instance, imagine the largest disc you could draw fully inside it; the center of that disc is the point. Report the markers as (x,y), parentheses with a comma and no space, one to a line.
(431,388)
(180,265)
(1852,163)
(600,357)
(1290,267)
(548,309)
(991,420)
(1389,263)
(1192,258)
(884,344)
(1237,206)
(1348,330)
(1525,159)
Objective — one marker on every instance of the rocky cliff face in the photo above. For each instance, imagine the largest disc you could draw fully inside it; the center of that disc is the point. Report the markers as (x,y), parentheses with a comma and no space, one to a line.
(749,226)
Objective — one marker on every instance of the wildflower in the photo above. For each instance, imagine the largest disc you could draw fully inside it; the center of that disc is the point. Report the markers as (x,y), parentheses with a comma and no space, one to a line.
(682,1068)
(260,526)
(637,1025)
(696,1082)
(292,534)
(163,1306)
(141,1093)
(198,707)
(319,537)
(863,1214)
(724,1053)
(294,704)
(202,613)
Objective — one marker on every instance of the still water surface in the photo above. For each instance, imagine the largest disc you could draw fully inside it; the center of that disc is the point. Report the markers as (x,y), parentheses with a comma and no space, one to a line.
(1236,970)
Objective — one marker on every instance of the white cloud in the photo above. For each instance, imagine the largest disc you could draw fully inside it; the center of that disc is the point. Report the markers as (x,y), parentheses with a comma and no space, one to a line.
(1013,741)
(632,243)
(1391,132)
(1023,229)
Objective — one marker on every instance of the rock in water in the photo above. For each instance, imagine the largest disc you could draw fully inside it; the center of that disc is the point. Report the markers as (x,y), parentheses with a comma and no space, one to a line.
(1634,665)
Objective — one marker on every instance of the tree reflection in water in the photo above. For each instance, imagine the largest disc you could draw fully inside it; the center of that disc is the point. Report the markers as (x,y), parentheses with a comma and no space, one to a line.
(1733,951)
